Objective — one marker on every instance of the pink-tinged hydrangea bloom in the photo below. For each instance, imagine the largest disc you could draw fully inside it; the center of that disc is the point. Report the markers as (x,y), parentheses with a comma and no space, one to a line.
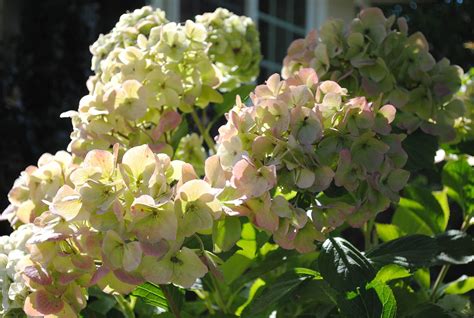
(378,57)
(147,68)
(307,136)
(153,222)
(250,181)
(36,187)
(180,267)
(120,221)
(197,207)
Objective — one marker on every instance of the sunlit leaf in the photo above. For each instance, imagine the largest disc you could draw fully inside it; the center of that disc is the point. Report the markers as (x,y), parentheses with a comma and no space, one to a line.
(343,266)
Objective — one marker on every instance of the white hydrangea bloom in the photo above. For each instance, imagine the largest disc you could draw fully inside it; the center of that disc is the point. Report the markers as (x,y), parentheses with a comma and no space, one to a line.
(13,257)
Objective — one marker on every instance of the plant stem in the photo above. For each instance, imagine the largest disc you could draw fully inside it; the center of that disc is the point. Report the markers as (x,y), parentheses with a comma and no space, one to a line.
(368,228)
(439,280)
(445,268)
(173,307)
(201,243)
(204,133)
(219,297)
(125,307)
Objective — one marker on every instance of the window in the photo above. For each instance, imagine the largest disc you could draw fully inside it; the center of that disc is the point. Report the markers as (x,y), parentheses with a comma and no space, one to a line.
(279,21)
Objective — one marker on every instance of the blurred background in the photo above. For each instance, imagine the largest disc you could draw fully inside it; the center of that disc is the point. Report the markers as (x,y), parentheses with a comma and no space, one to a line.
(45,59)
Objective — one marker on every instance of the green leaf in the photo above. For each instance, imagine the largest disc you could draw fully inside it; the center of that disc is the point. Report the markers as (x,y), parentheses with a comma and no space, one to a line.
(343,266)
(179,133)
(388,232)
(461,285)
(423,277)
(442,198)
(456,306)
(376,300)
(421,149)
(419,212)
(455,247)
(271,261)
(391,272)
(364,303)
(317,291)
(307,272)
(257,284)
(225,233)
(238,263)
(152,295)
(458,177)
(271,294)
(428,310)
(386,298)
(229,99)
(411,251)
(435,206)
(102,306)
(102,303)
(408,220)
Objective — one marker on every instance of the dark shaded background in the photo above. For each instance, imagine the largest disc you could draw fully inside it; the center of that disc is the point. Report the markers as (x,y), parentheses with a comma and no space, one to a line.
(45,62)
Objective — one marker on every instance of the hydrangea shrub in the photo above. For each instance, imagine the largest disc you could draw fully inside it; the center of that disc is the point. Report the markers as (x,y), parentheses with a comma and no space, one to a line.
(142,209)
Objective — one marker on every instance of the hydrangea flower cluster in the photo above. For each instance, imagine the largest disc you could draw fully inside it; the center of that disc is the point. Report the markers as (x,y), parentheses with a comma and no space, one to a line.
(235,46)
(376,59)
(190,150)
(303,139)
(116,224)
(148,71)
(36,186)
(465,124)
(14,257)
(125,33)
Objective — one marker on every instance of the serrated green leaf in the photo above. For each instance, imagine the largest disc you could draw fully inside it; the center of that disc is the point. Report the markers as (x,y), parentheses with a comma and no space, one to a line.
(364,303)
(152,295)
(386,298)
(375,300)
(411,251)
(343,266)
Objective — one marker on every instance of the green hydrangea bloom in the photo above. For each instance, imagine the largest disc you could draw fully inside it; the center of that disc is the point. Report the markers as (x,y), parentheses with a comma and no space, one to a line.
(375,57)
